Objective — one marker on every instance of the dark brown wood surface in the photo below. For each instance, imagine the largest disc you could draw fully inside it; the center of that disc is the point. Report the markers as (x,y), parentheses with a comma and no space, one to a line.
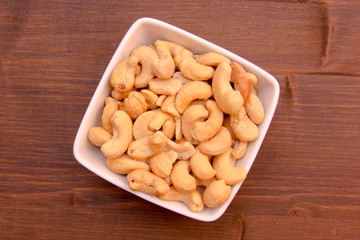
(305,182)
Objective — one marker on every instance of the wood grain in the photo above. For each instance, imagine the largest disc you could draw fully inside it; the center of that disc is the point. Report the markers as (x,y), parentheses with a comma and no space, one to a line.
(304,183)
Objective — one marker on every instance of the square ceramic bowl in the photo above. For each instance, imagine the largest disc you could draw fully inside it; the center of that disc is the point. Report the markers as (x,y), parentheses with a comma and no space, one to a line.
(144,32)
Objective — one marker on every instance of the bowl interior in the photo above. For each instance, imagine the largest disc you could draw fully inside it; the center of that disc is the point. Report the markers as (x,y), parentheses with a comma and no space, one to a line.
(144,32)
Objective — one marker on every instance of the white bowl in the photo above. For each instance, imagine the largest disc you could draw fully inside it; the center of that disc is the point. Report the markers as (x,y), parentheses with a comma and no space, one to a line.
(144,32)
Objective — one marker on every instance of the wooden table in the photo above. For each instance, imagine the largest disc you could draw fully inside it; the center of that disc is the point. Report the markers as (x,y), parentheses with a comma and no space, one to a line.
(305,181)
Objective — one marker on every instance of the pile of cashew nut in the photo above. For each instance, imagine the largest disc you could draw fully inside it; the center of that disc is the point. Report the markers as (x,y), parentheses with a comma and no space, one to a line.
(176,123)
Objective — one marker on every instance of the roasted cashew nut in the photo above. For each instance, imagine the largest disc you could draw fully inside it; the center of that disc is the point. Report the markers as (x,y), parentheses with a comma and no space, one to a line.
(122,135)
(150,98)
(218,144)
(190,92)
(211,59)
(201,166)
(224,165)
(121,95)
(184,149)
(147,182)
(181,77)
(168,106)
(229,100)
(125,164)
(164,67)
(168,129)
(146,56)
(241,80)
(254,109)
(168,86)
(216,194)
(98,136)
(239,149)
(244,129)
(123,77)
(141,125)
(107,113)
(135,104)
(147,146)
(181,178)
(161,164)
(203,131)
(193,200)
(191,115)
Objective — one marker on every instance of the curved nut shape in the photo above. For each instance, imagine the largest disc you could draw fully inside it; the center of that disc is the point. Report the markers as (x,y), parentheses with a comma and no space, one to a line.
(123,77)
(150,98)
(229,100)
(135,104)
(184,149)
(164,67)
(141,125)
(190,92)
(146,147)
(195,71)
(158,119)
(168,86)
(124,164)
(180,177)
(239,149)
(218,144)
(98,136)
(224,165)
(244,129)
(168,128)
(193,200)
(168,106)
(211,59)
(203,131)
(226,123)
(107,113)
(121,95)
(161,164)
(178,51)
(241,80)
(146,56)
(191,115)
(122,135)
(147,182)
(201,166)
(255,109)
(181,77)
(216,194)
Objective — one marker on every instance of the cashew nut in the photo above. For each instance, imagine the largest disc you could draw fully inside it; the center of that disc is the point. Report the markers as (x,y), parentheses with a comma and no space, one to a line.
(178,131)
(226,123)
(203,131)
(168,106)
(191,91)
(169,128)
(254,109)
(244,129)
(239,149)
(253,78)
(141,125)
(160,100)
(123,76)
(124,164)
(201,166)
(184,149)
(135,104)
(147,182)
(98,136)
(168,86)
(164,67)
(181,178)
(191,115)
(122,135)
(158,119)
(150,98)
(121,95)
(241,80)
(228,100)
(146,56)
(204,183)
(147,146)
(181,77)
(193,200)
(161,164)
(211,59)
(107,113)
(224,165)
(218,144)
(216,194)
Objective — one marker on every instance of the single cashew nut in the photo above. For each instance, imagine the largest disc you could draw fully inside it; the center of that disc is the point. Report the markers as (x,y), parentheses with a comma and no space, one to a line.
(160,100)
(158,119)
(161,164)
(239,149)
(146,56)
(241,80)
(121,95)
(122,135)
(195,71)
(193,200)
(141,125)
(216,194)
(147,146)
(201,166)
(125,164)
(211,59)
(107,113)
(98,136)
(123,77)
(168,86)
(244,129)
(135,104)
(147,182)
(254,109)
(184,149)
(224,165)
(168,106)
(178,131)
(181,178)
(218,144)
(191,91)
(164,67)
(228,100)
(203,131)
(192,114)
(150,98)
(169,128)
